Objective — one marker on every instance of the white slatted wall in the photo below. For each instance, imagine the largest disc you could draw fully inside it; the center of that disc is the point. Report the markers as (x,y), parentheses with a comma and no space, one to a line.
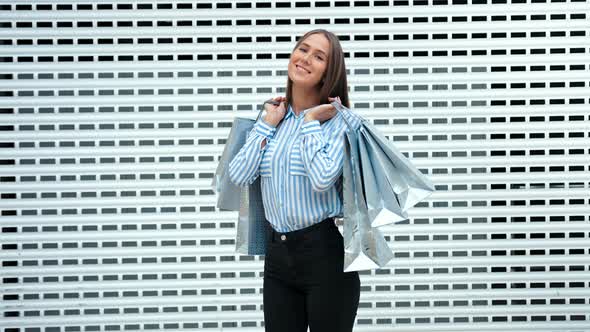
(114,114)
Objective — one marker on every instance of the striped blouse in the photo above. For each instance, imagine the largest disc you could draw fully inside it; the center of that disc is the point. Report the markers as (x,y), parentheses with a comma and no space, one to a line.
(300,168)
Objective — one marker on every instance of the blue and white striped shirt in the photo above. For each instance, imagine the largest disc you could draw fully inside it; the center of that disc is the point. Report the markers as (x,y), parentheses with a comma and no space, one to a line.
(300,168)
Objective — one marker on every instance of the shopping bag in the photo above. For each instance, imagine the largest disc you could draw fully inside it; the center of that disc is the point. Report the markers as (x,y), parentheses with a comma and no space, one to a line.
(382,202)
(251,229)
(408,183)
(365,247)
(228,194)
(380,185)
(251,225)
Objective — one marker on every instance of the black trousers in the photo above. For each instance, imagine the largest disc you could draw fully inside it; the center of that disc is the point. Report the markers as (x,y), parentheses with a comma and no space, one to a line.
(304,282)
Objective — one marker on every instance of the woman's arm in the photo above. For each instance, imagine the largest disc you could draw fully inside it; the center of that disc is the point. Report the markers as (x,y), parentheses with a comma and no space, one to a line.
(244,168)
(323,151)
(322,154)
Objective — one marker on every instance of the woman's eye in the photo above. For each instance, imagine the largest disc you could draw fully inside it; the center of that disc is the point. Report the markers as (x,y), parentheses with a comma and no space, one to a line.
(317,56)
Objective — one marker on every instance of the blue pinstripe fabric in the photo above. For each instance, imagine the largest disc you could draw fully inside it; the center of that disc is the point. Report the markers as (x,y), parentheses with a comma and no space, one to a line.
(300,168)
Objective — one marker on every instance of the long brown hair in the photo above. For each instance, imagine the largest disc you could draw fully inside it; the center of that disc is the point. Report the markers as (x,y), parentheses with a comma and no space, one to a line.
(334,80)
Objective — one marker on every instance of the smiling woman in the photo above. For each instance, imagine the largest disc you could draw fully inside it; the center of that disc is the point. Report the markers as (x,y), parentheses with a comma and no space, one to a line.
(317,68)
(297,149)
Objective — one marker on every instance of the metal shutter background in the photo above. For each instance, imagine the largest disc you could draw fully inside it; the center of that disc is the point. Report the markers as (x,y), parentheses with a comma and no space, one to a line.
(114,114)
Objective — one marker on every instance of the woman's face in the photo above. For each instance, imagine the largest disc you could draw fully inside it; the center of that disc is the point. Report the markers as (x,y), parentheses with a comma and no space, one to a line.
(309,60)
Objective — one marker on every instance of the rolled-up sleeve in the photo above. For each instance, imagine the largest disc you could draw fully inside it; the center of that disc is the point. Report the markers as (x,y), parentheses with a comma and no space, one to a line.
(244,168)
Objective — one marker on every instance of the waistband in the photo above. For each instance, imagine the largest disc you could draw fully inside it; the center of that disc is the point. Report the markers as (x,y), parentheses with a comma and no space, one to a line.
(300,233)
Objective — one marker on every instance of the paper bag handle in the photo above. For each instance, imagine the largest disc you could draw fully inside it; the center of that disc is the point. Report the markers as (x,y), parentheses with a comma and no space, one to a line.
(342,109)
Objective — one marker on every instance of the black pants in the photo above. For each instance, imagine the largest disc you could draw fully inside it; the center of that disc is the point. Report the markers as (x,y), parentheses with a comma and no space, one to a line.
(304,282)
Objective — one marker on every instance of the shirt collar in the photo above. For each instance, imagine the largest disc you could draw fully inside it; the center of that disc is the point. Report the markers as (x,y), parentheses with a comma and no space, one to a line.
(290,112)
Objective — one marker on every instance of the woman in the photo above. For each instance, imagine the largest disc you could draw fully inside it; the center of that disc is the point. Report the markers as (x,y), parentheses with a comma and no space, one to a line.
(297,150)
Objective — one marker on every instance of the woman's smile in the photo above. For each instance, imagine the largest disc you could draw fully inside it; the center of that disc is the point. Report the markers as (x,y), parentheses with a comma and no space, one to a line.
(301,69)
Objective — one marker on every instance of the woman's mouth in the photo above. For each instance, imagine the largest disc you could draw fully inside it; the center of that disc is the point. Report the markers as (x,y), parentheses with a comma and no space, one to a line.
(301,69)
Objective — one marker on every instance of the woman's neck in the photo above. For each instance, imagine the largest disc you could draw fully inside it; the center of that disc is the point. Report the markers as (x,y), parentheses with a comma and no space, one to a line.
(304,98)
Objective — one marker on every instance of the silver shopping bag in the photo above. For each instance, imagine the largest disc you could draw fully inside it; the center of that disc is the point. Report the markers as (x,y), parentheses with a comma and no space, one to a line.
(228,194)
(382,202)
(408,183)
(379,186)
(251,230)
(365,247)
(250,233)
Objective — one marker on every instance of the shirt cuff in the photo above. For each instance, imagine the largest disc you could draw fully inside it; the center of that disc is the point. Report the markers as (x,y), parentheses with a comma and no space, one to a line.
(311,127)
(265,129)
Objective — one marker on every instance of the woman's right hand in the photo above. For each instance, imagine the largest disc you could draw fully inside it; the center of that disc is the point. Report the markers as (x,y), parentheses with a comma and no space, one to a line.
(275,113)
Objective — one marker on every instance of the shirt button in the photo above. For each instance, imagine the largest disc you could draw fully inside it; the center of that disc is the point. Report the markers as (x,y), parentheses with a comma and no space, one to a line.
(283,237)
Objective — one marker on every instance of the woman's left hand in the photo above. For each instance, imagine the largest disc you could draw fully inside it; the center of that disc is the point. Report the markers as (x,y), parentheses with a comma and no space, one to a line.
(322,112)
